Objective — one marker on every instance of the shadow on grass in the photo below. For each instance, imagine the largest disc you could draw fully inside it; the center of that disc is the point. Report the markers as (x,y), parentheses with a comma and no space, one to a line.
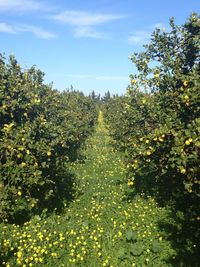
(181,226)
(60,195)
(182,230)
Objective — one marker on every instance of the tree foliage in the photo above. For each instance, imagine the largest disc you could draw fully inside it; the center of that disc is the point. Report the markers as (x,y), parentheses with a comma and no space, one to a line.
(158,122)
(41,130)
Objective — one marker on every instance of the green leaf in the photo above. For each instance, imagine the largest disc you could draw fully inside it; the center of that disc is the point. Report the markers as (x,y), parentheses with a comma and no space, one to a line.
(156,247)
(136,249)
(121,253)
(131,236)
(197,144)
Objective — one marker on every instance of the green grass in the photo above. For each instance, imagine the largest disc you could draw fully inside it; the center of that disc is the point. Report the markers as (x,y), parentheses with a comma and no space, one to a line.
(100,227)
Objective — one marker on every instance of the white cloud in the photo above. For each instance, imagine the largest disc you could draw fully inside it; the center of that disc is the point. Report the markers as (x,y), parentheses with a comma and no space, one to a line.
(88,32)
(80,76)
(83,23)
(99,77)
(5,28)
(20,5)
(139,37)
(143,36)
(112,78)
(57,74)
(80,18)
(38,32)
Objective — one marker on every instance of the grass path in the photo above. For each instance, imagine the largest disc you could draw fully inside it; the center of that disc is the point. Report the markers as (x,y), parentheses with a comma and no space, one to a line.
(101,227)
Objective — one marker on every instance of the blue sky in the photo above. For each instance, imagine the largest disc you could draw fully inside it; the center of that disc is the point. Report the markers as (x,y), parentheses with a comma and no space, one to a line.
(84,43)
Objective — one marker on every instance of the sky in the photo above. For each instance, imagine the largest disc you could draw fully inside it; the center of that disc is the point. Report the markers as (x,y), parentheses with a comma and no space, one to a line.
(84,43)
